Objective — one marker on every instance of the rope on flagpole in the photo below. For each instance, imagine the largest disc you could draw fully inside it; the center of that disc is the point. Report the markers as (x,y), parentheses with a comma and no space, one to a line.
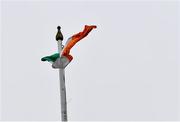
(59,38)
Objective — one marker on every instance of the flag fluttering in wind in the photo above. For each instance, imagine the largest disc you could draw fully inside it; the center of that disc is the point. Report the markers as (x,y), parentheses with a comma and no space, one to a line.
(66,58)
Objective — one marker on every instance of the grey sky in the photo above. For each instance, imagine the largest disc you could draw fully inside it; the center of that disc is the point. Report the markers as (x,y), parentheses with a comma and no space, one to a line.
(126,69)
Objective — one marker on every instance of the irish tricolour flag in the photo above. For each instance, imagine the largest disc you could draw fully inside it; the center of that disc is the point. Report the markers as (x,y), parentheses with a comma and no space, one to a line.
(66,58)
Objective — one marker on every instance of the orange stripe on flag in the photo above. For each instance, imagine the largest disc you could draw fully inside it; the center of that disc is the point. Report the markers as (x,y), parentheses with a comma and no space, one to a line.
(75,38)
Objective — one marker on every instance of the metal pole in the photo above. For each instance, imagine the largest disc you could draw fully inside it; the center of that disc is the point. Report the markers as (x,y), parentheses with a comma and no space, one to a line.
(59,38)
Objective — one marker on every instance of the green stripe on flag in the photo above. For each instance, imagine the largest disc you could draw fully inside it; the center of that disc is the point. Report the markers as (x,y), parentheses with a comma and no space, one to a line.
(51,58)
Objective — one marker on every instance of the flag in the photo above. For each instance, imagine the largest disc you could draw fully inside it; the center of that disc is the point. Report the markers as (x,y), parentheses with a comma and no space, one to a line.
(66,58)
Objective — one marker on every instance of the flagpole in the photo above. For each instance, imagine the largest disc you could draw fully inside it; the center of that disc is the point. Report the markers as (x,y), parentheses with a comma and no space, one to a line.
(59,38)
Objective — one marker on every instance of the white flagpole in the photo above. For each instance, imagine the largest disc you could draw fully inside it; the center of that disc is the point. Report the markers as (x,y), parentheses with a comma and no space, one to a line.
(62,81)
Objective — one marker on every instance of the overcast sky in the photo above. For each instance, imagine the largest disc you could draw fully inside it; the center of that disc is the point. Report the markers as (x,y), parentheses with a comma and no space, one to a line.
(126,69)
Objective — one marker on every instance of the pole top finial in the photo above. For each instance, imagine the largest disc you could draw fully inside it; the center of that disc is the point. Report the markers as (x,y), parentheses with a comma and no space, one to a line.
(58,27)
(59,35)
